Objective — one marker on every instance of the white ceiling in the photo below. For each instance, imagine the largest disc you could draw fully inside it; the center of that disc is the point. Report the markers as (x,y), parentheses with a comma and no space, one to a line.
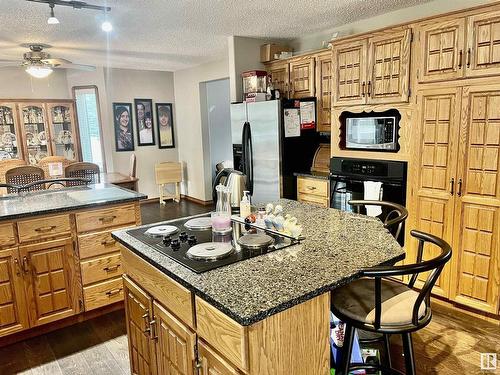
(172,34)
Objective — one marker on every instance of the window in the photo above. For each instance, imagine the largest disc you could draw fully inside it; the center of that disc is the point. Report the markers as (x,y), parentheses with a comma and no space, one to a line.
(89,125)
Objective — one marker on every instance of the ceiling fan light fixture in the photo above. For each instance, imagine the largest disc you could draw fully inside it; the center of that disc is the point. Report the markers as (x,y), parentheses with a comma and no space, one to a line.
(39,71)
(52,19)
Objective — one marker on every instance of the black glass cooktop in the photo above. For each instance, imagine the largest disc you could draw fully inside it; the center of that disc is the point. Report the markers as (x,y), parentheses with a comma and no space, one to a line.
(176,245)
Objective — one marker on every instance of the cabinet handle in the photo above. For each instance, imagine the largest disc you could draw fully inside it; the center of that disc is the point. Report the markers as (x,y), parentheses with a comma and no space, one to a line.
(111,269)
(459,192)
(108,242)
(25,264)
(113,292)
(452,186)
(145,317)
(368,91)
(107,219)
(45,229)
(460,57)
(311,187)
(152,328)
(363,89)
(198,364)
(18,268)
(468,57)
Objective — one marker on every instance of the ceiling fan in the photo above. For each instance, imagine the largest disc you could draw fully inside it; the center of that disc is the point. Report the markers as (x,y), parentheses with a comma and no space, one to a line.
(40,64)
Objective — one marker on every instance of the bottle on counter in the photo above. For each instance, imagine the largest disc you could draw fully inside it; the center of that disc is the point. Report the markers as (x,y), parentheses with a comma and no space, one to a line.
(245,209)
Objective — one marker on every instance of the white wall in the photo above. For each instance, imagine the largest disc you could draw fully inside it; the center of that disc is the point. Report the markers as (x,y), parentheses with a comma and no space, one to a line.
(314,41)
(15,83)
(124,85)
(188,123)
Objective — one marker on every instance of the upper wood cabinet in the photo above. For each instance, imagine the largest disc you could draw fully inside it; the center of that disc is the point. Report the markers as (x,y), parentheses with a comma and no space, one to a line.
(52,287)
(375,70)
(280,76)
(302,77)
(441,50)
(483,38)
(324,90)
(13,310)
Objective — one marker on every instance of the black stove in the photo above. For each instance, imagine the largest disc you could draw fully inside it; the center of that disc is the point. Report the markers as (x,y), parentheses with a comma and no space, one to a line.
(176,245)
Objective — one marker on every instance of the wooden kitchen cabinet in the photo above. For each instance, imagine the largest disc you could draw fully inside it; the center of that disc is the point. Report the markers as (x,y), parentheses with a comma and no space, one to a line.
(302,77)
(51,283)
(280,76)
(314,191)
(324,90)
(64,138)
(10,147)
(483,44)
(138,310)
(211,363)
(13,310)
(374,70)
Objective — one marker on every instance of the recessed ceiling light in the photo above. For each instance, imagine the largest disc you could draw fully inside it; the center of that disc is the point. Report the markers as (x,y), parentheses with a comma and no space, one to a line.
(52,19)
(106,26)
(39,71)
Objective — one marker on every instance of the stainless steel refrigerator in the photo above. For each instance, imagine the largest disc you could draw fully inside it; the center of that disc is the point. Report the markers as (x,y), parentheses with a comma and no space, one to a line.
(256,137)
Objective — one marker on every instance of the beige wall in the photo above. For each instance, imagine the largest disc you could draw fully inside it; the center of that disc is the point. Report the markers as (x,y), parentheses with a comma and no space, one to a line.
(188,123)
(124,85)
(314,41)
(15,83)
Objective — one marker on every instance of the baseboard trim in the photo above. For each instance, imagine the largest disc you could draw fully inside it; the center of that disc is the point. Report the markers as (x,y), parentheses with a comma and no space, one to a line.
(196,200)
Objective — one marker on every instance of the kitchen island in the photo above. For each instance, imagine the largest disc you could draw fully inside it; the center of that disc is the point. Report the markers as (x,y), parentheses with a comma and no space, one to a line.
(58,262)
(265,315)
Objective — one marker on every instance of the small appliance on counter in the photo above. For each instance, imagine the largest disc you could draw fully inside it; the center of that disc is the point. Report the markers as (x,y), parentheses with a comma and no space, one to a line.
(254,85)
(235,182)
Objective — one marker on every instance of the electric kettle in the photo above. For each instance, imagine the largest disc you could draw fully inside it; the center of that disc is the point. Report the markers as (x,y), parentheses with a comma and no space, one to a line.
(235,181)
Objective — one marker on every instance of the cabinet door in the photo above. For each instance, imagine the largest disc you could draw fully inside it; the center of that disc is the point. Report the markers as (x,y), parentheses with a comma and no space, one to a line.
(483,45)
(175,343)
(138,309)
(324,91)
(10,138)
(13,308)
(35,132)
(53,288)
(63,130)
(302,77)
(439,120)
(280,77)
(349,77)
(212,363)
(389,72)
(477,246)
(441,48)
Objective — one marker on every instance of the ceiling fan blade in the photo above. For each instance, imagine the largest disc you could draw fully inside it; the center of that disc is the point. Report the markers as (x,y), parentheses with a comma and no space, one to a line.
(56,62)
(9,63)
(88,68)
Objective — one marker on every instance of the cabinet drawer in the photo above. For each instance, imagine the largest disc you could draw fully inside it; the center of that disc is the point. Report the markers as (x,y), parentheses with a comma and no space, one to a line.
(91,245)
(313,186)
(7,236)
(46,227)
(103,268)
(313,199)
(105,218)
(103,294)
(222,333)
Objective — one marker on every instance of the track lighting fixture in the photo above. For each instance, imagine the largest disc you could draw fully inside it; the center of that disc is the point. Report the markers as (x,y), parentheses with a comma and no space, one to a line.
(52,20)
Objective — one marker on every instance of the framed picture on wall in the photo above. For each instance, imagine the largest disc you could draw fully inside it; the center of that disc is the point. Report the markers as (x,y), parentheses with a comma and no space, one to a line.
(144,122)
(165,125)
(124,132)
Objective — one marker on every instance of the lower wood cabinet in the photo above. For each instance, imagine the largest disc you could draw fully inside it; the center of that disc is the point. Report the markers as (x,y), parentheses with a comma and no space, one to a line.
(314,191)
(13,309)
(211,363)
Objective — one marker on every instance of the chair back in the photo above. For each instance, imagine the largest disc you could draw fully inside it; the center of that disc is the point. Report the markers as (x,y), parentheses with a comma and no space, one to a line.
(394,214)
(132,166)
(47,162)
(24,175)
(5,165)
(82,170)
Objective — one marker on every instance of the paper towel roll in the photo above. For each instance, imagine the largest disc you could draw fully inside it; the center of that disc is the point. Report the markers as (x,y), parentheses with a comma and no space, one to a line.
(373,192)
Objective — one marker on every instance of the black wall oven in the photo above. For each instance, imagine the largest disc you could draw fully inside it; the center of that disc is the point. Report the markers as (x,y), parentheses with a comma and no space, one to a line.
(347,177)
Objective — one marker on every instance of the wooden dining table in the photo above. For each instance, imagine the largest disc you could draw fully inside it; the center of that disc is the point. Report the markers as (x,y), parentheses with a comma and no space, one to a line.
(119,179)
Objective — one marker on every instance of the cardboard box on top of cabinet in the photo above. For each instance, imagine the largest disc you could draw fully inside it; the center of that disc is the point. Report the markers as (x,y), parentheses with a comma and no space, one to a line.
(267,51)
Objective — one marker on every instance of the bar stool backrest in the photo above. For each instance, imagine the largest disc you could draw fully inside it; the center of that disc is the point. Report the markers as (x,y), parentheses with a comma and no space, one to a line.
(82,170)
(24,175)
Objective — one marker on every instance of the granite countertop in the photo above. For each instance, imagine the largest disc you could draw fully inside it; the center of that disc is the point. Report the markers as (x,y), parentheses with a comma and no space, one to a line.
(66,199)
(318,175)
(337,245)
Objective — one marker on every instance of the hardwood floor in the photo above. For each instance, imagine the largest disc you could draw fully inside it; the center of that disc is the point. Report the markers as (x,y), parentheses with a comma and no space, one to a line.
(450,345)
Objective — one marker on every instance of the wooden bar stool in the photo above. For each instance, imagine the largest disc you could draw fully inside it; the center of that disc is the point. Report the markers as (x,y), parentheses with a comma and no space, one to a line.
(378,304)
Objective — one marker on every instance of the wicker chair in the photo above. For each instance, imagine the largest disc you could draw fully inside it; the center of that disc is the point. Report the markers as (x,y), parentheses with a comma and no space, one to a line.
(82,170)
(24,175)
(5,165)
(46,161)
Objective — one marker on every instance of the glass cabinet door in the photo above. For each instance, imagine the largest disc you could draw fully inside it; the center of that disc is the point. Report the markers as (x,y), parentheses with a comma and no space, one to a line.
(10,148)
(63,130)
(35,132)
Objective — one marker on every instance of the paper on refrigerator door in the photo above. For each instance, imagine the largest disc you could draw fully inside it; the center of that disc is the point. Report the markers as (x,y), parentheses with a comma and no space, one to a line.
(307,115)
(292,122)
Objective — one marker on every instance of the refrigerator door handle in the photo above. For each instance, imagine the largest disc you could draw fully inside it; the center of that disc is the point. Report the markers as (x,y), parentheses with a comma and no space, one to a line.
(248,156)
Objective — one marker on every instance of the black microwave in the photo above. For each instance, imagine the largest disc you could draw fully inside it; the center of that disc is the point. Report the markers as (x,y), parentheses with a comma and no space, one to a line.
(377,133)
